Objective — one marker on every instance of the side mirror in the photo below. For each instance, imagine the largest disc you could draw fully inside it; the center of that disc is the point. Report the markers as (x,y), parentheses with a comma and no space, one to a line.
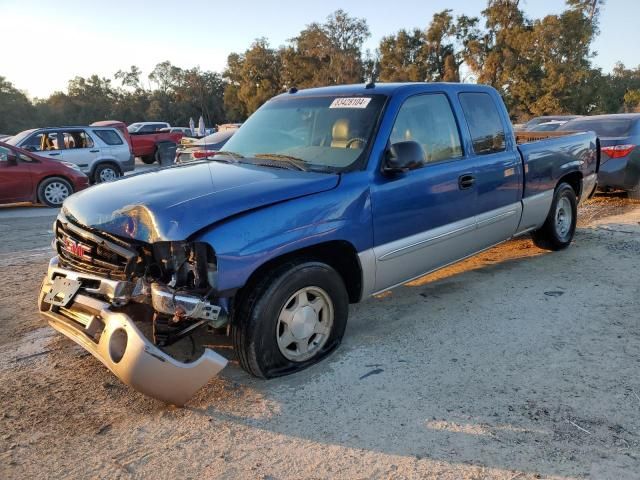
(404,156)
(12,159)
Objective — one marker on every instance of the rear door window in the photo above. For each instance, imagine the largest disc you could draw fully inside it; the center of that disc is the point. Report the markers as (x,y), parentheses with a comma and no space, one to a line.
(110,137)
(485,124)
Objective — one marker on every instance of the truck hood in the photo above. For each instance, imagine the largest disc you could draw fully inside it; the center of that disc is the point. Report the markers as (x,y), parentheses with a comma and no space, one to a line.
(173,203)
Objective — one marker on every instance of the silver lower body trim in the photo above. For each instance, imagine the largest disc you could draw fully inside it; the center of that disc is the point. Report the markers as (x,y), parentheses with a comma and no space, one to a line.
(589,184)
(534,211)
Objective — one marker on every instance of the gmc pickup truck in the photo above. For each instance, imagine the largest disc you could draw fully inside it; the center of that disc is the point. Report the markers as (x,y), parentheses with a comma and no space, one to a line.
(322,198)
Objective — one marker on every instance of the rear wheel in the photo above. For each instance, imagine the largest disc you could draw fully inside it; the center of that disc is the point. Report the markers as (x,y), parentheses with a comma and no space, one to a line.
(149,159)
(292,318)
(105,173)
(53,191)
(560,225)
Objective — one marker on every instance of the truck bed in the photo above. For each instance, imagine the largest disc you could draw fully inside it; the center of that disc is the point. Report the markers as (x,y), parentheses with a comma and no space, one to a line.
(547,155)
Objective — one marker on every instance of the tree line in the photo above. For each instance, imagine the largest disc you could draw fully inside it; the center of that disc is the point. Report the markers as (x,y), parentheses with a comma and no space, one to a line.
(540,66)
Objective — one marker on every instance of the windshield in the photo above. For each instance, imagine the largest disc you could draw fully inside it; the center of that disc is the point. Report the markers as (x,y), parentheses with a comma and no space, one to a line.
(605,127)
(325,132)
(16,139)
(133,128)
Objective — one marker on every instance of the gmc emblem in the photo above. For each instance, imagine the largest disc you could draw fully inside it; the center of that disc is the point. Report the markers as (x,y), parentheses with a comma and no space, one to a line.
(76,249)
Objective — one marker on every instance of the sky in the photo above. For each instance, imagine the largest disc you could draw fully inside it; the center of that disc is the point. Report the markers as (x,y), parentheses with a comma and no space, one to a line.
(44,43)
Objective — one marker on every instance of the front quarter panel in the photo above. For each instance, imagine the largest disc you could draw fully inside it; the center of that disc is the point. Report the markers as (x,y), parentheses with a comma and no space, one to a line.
(245,242)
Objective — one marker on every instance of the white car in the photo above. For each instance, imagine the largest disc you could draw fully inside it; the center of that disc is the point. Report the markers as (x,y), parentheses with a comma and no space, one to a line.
(101,153)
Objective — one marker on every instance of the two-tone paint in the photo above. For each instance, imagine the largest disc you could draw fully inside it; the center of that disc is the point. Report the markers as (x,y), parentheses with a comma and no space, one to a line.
(398,227)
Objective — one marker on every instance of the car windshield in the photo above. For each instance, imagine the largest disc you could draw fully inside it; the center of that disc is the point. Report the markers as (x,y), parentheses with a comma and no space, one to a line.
(605,127)
(133,128)
(17,139)
(328,132)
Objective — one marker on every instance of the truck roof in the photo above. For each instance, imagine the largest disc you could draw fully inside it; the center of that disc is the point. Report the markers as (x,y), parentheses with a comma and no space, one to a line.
(387,89)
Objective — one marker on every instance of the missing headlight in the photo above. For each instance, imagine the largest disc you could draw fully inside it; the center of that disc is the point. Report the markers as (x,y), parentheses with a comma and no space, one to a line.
(190,265)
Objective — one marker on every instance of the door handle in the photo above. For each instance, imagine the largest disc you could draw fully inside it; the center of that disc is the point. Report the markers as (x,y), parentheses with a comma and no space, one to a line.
(466,181)
(94,151)
(53,154)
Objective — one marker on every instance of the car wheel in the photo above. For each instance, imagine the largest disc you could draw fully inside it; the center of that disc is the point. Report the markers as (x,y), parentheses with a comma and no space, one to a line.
(560,225)
(149,159)
(53,191)
(292,318)
(634,194)
(105,173)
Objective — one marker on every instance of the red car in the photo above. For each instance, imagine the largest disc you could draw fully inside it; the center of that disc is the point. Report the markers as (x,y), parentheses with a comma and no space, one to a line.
(27,177)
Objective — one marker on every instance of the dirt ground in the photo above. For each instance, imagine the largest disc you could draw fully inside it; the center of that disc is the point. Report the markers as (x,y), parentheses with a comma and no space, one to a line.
(516,364)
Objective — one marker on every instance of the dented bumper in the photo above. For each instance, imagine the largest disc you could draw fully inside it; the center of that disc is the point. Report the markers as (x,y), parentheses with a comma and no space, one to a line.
(114,339)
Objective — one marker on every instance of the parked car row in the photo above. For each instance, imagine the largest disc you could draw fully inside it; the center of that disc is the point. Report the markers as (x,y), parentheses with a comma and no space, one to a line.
(102,153)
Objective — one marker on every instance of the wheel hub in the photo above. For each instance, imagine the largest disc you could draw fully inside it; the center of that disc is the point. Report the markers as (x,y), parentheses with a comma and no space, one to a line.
(304,324)
(563,217)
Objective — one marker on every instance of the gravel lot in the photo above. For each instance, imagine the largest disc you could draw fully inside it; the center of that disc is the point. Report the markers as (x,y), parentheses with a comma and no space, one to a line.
(515,364)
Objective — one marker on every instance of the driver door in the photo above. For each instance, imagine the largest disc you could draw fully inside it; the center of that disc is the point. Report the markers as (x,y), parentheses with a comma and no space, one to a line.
(425,218)
(15,178)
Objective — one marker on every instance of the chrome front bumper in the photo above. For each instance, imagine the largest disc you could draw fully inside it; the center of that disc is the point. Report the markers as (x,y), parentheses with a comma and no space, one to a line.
(113,338)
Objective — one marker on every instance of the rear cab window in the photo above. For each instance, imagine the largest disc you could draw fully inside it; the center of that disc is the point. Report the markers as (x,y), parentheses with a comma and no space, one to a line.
(110,137)
(484,121)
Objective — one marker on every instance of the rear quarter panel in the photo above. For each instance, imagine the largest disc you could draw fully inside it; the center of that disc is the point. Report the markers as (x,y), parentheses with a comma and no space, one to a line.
(547,161)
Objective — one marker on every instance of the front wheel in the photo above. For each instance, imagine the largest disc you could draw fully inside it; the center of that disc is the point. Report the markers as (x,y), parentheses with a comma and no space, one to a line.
(53,191)
(560,225)
(292,318)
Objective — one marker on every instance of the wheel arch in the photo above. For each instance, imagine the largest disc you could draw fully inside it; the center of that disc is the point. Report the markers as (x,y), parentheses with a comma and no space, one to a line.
(105,161)
(341,255)
(574,179)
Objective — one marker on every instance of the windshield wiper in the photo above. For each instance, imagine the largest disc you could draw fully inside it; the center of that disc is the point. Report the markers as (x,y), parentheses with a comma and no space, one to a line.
(296,162)
(234,156)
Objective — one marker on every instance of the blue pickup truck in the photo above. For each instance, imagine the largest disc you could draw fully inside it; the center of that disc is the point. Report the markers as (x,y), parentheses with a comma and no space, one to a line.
(322,198)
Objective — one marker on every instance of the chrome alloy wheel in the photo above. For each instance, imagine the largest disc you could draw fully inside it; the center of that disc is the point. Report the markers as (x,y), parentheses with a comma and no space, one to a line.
(56,193)
(304,324)
(564,217)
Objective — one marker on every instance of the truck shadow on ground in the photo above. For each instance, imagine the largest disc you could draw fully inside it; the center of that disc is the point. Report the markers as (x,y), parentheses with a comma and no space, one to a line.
(503,360)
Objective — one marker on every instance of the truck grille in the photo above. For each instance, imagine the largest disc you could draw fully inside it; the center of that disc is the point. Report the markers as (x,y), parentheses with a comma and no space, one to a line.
(83,251)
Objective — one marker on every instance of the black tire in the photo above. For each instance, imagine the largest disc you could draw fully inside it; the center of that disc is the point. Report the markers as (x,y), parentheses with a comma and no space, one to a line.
(634,194)
(551,235)
(105,170)
(255,318)
(149,159)
(48,188)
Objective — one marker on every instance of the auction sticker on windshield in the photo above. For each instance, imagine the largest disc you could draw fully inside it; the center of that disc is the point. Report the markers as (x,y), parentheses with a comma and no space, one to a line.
(347,102)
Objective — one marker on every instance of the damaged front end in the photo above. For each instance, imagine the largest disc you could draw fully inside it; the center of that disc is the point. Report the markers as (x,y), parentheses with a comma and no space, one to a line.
(129,304)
